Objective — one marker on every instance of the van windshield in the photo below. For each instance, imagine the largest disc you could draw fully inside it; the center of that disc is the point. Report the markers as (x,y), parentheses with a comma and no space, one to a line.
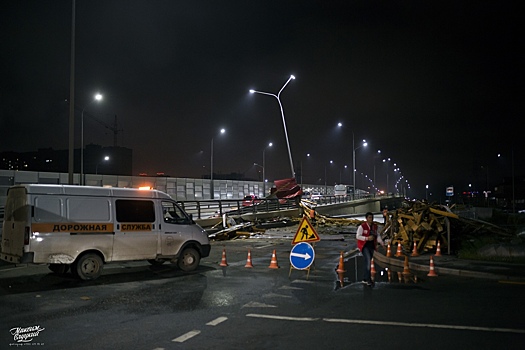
(173,214)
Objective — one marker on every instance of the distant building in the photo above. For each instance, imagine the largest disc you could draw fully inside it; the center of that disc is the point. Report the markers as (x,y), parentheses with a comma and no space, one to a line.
(511,188)
(50,160)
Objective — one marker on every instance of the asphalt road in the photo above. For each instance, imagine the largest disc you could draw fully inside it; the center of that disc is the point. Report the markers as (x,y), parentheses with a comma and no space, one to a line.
(137,306)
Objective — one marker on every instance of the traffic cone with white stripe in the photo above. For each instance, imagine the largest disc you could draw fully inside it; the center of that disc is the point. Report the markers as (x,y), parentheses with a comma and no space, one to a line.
(398,252)
(223,260)
(388,251)
(249,260)
(432,272)
(273,262)
(341,267)
(414,251)
(372,266)
(438,249)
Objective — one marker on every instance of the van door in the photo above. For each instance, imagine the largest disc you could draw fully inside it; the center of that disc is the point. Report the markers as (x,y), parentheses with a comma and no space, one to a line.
(136,237)
(176,228)
(17,220)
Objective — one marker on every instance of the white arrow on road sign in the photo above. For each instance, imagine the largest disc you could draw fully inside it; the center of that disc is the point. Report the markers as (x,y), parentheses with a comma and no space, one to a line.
(302,256)
(305,256)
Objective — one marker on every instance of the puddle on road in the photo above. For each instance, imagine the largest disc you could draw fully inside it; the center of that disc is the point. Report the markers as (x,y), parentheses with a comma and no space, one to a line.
(353,274)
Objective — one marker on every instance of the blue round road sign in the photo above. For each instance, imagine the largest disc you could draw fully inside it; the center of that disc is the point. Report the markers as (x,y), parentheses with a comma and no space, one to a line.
(302,256)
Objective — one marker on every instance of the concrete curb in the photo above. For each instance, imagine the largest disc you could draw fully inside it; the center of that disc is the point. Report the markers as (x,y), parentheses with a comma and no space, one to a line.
(400,262)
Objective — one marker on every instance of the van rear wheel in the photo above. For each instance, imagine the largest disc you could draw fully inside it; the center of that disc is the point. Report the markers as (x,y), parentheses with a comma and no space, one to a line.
(88,267)
(188,260)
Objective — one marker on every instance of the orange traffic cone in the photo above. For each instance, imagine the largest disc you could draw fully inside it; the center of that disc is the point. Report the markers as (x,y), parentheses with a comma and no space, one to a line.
(388,251)
(414,251)
(389,274)
(223,260)
(432,272)
(400,277)
(341,276)
(341,267)
(406,270)
(438,250)
(372,266)
(249,260)
(273,262)
(399,252)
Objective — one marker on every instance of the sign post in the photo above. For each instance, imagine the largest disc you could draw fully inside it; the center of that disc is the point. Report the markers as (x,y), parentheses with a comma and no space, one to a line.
(303,254)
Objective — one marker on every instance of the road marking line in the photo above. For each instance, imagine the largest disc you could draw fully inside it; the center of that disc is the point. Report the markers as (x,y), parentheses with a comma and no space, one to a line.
(511,282)
(275,295)
(426,325)
(286,318)
(186,336)
(264,246)
(387,323)
(256,304)
(217,321)
(290,287)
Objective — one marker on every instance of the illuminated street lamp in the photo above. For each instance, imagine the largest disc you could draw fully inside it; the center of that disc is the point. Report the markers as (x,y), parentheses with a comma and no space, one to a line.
(212,194)
(278,97)
(106,158)
(97,98)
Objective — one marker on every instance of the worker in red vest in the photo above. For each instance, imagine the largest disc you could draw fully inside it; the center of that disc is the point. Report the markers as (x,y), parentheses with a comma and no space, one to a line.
(367,238)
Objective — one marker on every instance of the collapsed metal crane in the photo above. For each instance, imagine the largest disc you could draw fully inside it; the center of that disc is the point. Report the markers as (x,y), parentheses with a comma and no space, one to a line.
(113,127)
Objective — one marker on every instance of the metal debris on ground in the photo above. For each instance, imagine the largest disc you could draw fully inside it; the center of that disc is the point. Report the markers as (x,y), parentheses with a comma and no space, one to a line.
(425,224)
(319,219)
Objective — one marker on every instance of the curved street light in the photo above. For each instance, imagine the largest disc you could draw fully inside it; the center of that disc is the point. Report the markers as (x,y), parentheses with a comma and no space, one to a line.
(97,98)
(278,97)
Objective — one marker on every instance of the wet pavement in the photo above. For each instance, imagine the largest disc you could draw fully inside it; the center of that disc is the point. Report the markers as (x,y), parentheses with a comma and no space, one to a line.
(343,239)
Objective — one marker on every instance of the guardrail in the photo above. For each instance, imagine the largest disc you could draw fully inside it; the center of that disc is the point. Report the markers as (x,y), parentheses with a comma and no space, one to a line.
(205,209)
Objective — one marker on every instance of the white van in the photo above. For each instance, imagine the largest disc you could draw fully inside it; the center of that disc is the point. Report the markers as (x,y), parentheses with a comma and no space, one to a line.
(82,227)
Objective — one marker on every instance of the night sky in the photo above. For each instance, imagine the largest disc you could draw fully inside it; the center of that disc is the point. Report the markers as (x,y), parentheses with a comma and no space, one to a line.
(437,86)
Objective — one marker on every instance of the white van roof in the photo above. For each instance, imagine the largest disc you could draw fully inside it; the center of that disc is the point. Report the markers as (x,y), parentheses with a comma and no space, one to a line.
(72,190)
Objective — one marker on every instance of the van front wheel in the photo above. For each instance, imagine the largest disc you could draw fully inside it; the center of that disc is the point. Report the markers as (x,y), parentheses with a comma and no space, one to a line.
(88,267)
(59,269)
(189,260)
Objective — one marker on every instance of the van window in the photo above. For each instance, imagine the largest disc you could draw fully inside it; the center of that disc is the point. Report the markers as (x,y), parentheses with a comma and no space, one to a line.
(88,209)
(173,214)
(135,211)
(48,209)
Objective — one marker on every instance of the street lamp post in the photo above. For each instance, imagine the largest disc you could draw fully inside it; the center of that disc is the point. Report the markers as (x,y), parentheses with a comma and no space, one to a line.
(278,97)
(375,183)
(106,158)
(264,168)
(212,193)
(364,144)
(98,97)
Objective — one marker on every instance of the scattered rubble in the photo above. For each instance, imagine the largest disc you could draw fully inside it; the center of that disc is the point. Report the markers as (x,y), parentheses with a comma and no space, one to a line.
(425,224)
(415,222)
